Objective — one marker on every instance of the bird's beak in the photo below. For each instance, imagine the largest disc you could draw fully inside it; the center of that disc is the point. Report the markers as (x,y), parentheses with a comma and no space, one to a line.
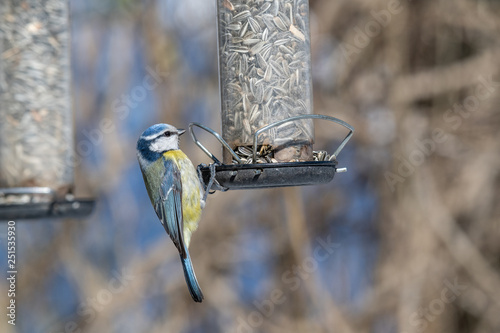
(180,131)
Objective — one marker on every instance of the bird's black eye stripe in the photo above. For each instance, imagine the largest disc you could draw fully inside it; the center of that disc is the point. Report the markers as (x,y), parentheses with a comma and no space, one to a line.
(167,133)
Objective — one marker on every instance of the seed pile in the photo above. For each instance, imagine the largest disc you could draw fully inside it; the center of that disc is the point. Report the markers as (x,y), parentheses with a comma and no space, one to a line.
(265,69)
(265,154)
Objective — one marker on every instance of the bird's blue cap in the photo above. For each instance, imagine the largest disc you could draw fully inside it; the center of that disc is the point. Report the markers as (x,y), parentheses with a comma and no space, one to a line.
(155,129)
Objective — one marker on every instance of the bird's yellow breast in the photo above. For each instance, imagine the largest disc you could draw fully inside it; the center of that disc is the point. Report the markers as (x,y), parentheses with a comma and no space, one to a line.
(191,208)
(175,155)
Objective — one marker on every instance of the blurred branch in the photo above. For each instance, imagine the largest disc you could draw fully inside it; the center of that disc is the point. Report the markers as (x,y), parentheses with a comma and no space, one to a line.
(408,89)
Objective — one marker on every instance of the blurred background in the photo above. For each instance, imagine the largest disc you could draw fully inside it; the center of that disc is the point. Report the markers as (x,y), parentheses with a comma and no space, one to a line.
(408,240)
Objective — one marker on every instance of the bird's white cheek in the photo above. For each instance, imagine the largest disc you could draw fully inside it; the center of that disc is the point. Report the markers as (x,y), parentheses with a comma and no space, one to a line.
(156,146)
(164,143)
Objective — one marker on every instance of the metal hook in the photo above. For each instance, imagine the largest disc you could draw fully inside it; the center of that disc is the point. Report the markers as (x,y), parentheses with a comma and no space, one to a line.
(306,116)
(217,136)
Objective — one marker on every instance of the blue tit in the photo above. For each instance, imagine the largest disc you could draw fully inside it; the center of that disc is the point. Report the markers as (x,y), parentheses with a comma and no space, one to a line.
(174,189)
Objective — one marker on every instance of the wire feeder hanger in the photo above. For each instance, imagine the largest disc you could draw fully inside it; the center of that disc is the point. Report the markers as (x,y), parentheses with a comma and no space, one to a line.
(223,177)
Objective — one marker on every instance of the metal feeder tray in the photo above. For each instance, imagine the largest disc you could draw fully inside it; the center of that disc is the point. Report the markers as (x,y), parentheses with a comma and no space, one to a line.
(40,202)
(266,175)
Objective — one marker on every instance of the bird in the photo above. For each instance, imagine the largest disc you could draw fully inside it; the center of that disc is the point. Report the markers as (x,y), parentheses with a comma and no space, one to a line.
(175,191)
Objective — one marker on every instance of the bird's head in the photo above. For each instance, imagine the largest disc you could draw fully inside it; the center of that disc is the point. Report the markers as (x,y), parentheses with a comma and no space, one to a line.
(158,139)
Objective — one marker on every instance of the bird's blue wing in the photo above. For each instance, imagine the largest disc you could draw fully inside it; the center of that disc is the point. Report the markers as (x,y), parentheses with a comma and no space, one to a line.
(169,210)
(169,205)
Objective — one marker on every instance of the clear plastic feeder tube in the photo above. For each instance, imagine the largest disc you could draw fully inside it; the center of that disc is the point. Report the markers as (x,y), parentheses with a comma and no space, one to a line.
(36,120)
(265,74)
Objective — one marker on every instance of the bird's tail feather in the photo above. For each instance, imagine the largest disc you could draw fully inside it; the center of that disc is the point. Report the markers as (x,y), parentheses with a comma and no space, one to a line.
(194,287)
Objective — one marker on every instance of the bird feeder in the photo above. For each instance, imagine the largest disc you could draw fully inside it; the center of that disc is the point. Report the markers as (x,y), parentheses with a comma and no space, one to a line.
(266,99)
(36,131)
(265,75)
